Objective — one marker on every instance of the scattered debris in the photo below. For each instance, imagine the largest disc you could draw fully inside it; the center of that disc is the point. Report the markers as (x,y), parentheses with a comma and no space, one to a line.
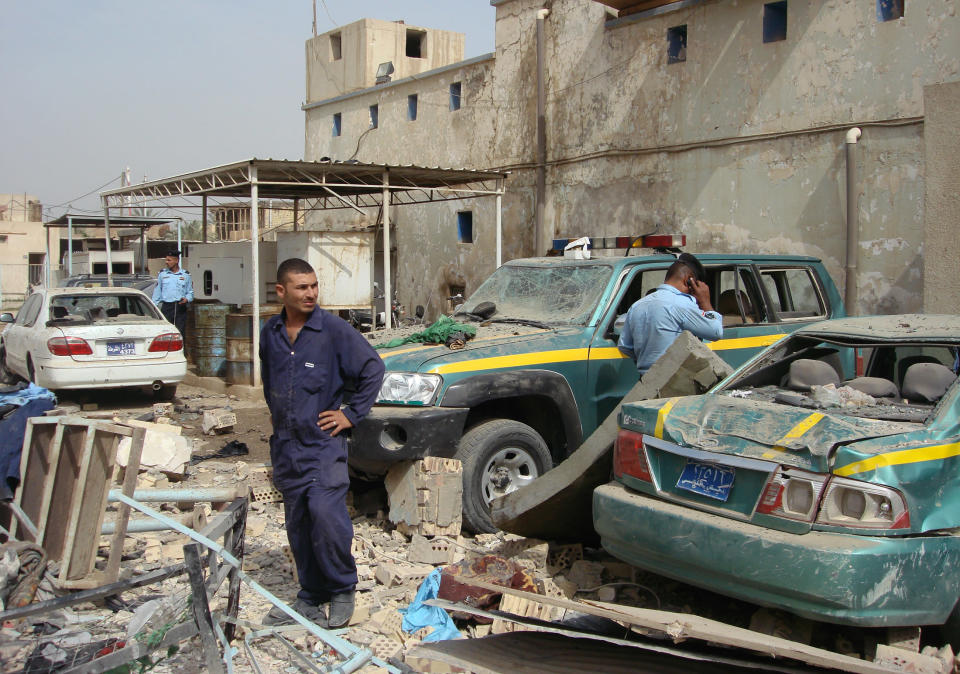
(426,496)
(218,420)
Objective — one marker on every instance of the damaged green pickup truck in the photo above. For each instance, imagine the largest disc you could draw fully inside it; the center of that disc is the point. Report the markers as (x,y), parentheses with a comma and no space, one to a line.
(544,370)
(797,484)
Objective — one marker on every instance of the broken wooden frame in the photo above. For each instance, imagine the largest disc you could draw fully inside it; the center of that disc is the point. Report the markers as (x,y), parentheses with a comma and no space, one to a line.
(229,524)
(67,467)
(676,626)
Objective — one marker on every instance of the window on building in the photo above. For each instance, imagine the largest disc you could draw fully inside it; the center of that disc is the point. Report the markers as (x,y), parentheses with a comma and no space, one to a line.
(465,226)
(677,44)
(775,21)
(374,116)
(336,123)
(336,52)
(412,107)
(455,90)
(415,43)
(889,10)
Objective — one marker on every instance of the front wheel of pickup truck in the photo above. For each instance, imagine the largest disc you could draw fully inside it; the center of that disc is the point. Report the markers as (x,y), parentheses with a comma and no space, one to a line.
(499,456)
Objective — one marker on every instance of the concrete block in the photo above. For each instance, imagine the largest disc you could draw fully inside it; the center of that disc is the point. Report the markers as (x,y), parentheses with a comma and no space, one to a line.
(390,574)
(907,638)
(902,660)
(424,551)
(219,419)
(562,557)
(386,648)
(426,496)
(586,574)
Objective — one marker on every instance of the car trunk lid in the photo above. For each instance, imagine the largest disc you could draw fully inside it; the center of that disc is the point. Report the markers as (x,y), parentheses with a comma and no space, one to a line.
(112,342)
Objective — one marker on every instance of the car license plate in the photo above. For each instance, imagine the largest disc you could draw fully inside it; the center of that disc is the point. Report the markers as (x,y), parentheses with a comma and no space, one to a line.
(121,349)
(707,479)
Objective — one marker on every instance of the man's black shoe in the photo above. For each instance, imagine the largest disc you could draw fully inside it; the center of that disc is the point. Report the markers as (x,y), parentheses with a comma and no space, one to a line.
(341,610)
(277,617)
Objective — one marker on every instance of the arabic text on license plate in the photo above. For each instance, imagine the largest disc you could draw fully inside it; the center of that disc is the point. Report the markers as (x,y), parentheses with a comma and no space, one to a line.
(707,479)
(120,349)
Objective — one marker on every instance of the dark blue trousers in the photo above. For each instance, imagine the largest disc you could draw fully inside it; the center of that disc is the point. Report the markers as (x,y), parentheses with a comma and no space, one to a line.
(314,482)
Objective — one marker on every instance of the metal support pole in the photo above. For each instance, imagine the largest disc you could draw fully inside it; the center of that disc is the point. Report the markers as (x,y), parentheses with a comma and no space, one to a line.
(204,218)
(541,140)
(143,250)
(387,294)
(499,224)
(853,222)
(106,227)
(296,215)
(255,258)
(69,245)
(179,235)
(46,266)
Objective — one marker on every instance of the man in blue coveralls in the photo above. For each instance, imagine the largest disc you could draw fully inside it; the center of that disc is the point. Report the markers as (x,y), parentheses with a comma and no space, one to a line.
(307,358)
(174,289)
(681,302)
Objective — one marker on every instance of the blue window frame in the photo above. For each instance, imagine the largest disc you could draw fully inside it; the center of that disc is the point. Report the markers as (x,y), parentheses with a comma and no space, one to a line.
(775,21)
(455,90)
(465,226)
(412,107)
(336,123)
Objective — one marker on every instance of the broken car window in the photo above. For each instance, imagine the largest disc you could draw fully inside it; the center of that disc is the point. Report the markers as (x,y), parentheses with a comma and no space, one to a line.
(556,294)
(97,308)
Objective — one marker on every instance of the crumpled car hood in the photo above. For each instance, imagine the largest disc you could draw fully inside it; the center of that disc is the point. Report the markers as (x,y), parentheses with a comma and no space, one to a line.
(797,437)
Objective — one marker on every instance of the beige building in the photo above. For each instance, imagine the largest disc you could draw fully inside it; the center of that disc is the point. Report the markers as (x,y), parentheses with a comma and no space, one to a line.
(231,222)
(725,120)
(22,247)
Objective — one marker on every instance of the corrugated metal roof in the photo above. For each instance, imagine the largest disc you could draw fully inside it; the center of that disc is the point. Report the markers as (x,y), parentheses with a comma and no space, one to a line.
(359,183)
(115,221)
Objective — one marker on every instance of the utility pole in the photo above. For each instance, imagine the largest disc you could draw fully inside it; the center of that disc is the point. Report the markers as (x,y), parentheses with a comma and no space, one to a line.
(314,18)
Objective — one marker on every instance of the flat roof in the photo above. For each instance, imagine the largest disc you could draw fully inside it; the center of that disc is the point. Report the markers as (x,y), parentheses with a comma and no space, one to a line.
(334,184)
(115,221)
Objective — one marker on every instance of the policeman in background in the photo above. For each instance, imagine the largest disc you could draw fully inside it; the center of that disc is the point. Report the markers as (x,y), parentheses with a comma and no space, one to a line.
(174,289)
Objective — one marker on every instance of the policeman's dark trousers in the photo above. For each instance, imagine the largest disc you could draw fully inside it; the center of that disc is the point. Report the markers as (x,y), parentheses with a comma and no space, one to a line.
(176,313)
(319,530)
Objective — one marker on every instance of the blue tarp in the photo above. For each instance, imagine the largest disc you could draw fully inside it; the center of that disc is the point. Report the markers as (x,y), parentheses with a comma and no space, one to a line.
(418,615)
(33,401)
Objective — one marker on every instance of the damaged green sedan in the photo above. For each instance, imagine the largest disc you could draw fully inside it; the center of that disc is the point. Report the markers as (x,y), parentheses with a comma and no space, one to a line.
(797,484)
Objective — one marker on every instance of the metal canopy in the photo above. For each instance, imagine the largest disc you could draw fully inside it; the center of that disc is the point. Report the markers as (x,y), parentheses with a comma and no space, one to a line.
(69,220)
(334,184)
(327,184)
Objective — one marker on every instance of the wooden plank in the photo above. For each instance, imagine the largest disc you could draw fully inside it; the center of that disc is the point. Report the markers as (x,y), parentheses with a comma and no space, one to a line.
(63,488)
(201,609)
(76,562)
(38,460)
(123,512)
(681,626)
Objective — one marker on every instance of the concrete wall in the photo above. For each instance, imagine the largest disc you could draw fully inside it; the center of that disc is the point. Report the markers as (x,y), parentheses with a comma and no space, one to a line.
(21,233)
(941,290)
(740,146)
(364,45)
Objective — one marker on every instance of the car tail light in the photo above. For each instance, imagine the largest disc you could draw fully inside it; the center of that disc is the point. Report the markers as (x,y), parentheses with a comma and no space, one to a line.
(69,346)
(862,505)
(792,494)
(170,341)
(630,457)
(662,241)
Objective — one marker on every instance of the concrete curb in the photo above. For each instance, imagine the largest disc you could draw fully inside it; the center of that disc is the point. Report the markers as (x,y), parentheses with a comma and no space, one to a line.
(218,385)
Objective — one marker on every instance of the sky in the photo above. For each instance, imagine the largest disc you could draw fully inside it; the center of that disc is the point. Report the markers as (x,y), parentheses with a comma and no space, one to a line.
(165,87)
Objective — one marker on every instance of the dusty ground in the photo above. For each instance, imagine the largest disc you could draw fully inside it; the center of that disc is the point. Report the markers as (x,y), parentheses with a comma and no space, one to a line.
(389,566)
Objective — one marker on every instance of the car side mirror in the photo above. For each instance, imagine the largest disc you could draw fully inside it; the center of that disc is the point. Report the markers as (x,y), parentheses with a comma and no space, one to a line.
(6,318)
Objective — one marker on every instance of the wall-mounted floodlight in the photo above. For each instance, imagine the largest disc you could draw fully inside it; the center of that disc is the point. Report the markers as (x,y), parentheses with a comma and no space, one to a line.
(384,71)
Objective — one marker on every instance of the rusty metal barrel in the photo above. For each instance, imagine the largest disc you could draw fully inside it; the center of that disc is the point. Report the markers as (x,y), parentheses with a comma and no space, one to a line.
(240,350)
(207,337)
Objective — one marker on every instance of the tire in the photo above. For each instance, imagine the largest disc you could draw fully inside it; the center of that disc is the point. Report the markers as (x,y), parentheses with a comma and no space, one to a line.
(166,393)
(499,456)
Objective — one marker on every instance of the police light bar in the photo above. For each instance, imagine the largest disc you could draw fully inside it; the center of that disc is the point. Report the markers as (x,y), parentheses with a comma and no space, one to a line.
(623,242)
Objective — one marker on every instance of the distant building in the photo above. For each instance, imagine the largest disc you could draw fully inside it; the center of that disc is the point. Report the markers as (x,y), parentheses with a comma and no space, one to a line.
(22,247)
(725,121)
(231,222)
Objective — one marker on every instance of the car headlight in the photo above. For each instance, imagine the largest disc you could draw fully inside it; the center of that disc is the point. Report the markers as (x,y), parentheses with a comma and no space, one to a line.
(409,388)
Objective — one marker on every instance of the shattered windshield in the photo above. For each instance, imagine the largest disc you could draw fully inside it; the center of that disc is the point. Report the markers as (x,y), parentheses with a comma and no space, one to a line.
(96,308)
(557,295)
(889,381)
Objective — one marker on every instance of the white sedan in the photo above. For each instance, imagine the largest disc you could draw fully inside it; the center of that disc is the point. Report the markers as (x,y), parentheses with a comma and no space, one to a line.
(83,338)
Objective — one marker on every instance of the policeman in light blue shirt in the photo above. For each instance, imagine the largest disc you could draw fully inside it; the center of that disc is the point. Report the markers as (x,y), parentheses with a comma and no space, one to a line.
(681,303)
(174,290)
